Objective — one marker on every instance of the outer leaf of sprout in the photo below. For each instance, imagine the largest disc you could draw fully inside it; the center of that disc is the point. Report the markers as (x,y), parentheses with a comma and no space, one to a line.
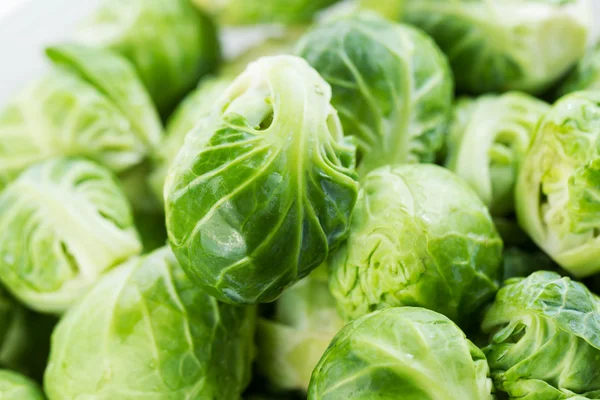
(146,332)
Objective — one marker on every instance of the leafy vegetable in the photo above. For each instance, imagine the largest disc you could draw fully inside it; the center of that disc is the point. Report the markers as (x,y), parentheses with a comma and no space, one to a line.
(419,237)
(264,188)
(169,42)
(14,386)
(247,12)
(152,335)
(391,85)
(505,45)
(557,198)
(305,321)
(412,352)
(488,139)
(586,75)
(63,223)
(91,105)
(545,342)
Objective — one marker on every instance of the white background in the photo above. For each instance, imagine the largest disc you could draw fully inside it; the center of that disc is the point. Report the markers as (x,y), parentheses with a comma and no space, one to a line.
(26,26)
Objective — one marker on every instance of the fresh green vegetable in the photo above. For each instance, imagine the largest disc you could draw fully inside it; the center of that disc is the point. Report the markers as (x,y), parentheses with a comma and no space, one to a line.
(248,12)
(63,224)
(264,188)
(409,352)
(91,105)
(557,194)
(505,45)
(289,236)
(391,85)
(293,341)
(14,386)
(488,139)
(146,332)
(545,342)
(170,43)
(586,75)
(419,237)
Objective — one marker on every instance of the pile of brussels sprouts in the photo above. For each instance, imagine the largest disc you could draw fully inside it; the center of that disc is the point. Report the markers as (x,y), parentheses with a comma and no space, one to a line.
(381,199)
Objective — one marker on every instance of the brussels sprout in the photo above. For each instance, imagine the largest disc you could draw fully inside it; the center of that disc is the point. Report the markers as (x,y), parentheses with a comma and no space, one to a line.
(14,386)
(170,43)
(263,190)
(586,75)
(409,353)
(421,237)
(391,85)
(91,104)
(557,194)
(545,342)
(63,223)
(305,321)
(146,332)
(248,12)
(505,45)
(488,139)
